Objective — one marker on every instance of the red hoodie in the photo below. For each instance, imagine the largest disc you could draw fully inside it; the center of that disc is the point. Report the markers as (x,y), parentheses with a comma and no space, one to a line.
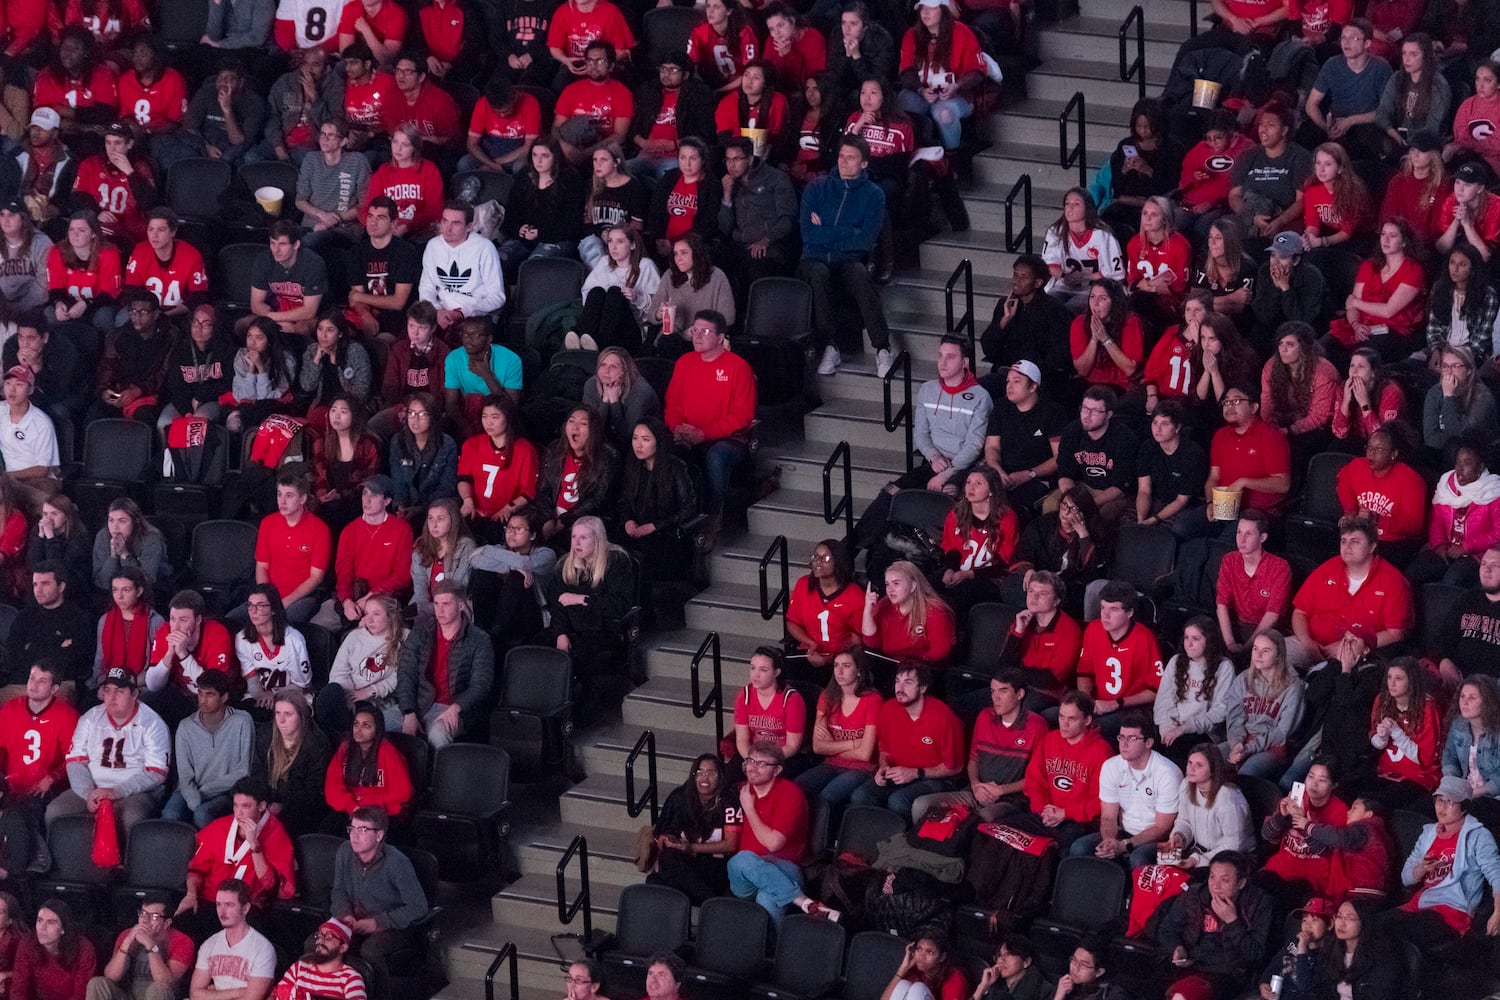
(1066,775)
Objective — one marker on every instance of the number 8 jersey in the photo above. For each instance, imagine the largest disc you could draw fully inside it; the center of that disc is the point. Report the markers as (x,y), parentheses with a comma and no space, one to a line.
(121,754)
(308,24)
(34,746)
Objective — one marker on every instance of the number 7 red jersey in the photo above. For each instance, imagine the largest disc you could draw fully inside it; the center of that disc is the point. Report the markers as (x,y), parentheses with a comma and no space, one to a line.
(32,747)
(1120,669)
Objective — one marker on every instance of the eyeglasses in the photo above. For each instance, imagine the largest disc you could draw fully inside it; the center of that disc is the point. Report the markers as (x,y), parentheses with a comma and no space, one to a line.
(351,828)
(1233,401)
(753,762)
(1128,738)
(1097,410)
(150,917)
(258,605)
(417,414)
(575,981)
(1077,964)
(820,557)
(1455,367)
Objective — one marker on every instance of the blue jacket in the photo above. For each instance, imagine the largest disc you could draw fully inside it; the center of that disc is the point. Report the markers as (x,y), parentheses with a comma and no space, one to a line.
(850,214)
(1474,862)
(1456,756)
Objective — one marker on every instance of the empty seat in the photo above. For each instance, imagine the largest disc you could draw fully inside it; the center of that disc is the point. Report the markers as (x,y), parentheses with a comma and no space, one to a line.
(463,821)
(809,953)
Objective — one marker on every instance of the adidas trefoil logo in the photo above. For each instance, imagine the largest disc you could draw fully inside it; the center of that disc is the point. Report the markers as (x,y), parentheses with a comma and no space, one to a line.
(454,279)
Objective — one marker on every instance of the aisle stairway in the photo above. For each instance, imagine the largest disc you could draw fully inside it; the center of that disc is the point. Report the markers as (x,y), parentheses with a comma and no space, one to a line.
(1080,52)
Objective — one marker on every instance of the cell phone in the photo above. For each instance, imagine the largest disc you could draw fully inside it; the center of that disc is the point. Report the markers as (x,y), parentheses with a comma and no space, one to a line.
(1299,794)
(1129,151)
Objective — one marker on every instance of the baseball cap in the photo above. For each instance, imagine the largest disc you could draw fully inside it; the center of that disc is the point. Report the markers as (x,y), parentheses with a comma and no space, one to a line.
(1471,173)
(1029,369)
(1287,244)
(120,128)
(933,3)
(15,206)
(47,118)
(1454,789)
(381,484)
(1316,907)
(120,677)
(21,373)
(336,927)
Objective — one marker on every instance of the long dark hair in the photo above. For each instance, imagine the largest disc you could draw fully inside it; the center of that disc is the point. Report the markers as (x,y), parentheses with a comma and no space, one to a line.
(362,768)
(944,966)
(278,616)
(1423,85)
(139,527)
(842,562)
(941,47)
(593,464)
(67,944)
(558,163)
(703,265)
(703,818)
(1291,391)
(1440,305)
(429,403)
(833,694)
(276,368)
(1213,655)
(65,247)
(1416,696)
(652,488)
(963,513)
(1335,955)
(356,425)
(1219,773)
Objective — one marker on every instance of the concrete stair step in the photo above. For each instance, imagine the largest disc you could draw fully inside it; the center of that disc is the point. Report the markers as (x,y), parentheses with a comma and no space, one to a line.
(532,899)
(870,469)
(468,954)
(1001,166)
(1034,120)
(607,750)
(732,606)
(598,803)
(671,654)
(983,248)
(740,560)
(1058,79)
(610,851)
(1095,35)
(921,290)
(858,421)
(665,705)
(797,514)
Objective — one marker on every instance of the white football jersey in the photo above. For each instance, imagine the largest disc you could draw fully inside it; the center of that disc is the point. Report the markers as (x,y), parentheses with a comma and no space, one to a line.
(117,754)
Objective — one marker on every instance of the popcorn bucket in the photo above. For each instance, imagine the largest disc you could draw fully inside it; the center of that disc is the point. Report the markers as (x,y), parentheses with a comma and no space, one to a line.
(1226,504)
(1206,93)
(269,199)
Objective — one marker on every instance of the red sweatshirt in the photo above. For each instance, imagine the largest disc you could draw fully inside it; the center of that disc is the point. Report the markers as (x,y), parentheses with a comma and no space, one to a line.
(1387,407)
(391,790)
(717,397)
(43,977)
(1054,649)
(1301,857)
(1066,775)
(24,20)
(380,555)
(1398,500)
(218,858)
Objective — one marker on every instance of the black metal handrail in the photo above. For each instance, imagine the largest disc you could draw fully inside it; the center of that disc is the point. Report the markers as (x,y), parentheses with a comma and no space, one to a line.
(634,804)
(1014,241)
(715,700)
(1136,70)
(507,953)
(964,325)
(1192,18)
(768,606)
(567,910)
(845,506)
(904,415)
(1078,152)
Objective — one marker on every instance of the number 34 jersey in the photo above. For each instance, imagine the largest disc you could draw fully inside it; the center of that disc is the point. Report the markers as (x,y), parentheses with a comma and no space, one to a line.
(116,754)
(34,746)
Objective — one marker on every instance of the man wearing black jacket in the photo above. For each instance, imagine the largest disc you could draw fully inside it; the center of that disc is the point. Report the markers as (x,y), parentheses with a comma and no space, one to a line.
(446,669)
(50,627)
(1219,930)
(673,107)
(1030,324)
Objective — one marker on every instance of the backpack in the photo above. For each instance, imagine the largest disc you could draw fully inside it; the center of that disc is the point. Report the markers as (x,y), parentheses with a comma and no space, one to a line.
(1011,872)
(197,452)
(903,541)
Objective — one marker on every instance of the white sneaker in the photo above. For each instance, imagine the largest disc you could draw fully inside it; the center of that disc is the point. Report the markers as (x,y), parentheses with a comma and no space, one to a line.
(831,361)
(570,340)
(883,363)
(588,343)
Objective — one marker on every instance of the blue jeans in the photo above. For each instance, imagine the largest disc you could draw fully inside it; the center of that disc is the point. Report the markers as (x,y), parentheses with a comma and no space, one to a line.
(898,798)
(947,115)
(1140,855)
(1268,764)
(720,461)
(834,785)
(591,250)
(773,882)
(176,809)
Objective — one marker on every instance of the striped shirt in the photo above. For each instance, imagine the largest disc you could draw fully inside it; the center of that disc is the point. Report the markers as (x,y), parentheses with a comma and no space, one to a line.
(305,980)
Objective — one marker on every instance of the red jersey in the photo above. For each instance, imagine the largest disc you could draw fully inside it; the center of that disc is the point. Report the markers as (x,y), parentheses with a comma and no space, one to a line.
(1151,260)
(1206,174)
(935,738)
(980,551)
(523,122)
(1173,365)
(113,192)
(392,788)
(173,280)
(389,21)
(1416,755)
(98,91)
(757,123)
(786,714)
(894,138)
(807,57)
(571,29)
(156,106)
(292,551)
(1382,601)
(832,622)
(1259,452)
(1105,371)
(434,113)
(898,638)
(1120,668)
(215,651)
(1397,500)
(1054,649)
(104,23)
(1251,598)
(104,281)
(417,191)
(1376,289)
(717,57)
(1489,218)
(366,104)
(1321,215)
(443,29)
(223,854)
(308,24)
(35,746)
(499,475)
(1066,775)
(601,101)
(784,809)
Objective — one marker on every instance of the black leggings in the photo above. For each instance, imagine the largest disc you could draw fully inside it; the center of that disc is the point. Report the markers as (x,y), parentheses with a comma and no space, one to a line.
(610,319)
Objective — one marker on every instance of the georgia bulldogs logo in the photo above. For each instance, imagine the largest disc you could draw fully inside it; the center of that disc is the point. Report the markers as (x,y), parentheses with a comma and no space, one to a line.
(1219,163)
(1062,782)
(1481,128)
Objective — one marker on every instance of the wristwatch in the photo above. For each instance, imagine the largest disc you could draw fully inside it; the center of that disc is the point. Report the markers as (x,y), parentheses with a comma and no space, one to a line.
(156,949)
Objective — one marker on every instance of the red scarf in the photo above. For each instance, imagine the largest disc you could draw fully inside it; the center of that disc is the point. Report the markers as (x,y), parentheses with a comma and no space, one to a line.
(126,644)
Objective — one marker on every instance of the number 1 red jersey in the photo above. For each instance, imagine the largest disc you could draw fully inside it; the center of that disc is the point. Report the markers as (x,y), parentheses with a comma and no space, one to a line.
(35,746)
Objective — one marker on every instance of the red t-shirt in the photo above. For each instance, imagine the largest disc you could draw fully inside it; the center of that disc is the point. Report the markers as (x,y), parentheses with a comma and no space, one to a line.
(896,637)
(894,138)
(787,713)
(602,101)
(33,747)
(1066,775)
(1120,668)
(443,29)
(1439,858)
(437,670)
(784,809)
(215,651)
(832,622)
(215,861)
(768,119)
(523,122)
(1105,371)
(389,21)
(682,206)
(664,129)
(1489,219)
(1217,168)
(1414,315)
(1250,598)
(1319,16)
(183,274)
(717,57)
(1320,215)
(1398,500)
(498,475)
(1382,601)
(847,727)
(434,113)
(1302,858)
(157,106)
(1150,260)
(1406,198)
(1054,649)
(935,738)
(365,103)
(80,282)
(1259,452)
(1173,367)
(292,551)
(571,29)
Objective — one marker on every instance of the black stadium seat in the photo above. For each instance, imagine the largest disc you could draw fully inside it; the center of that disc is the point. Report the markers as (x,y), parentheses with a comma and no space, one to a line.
(652,918)
(729,950)
(222,565)
(1088,896)
(532,721)
(809,955)
(156,854)
(463,822)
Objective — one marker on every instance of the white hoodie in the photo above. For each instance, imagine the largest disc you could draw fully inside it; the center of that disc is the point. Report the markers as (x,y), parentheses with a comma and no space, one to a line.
(466,277)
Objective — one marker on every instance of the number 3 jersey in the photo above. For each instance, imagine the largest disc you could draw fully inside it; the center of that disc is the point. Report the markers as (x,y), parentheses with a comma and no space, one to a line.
(32,747)
(121,755)
(1120,669)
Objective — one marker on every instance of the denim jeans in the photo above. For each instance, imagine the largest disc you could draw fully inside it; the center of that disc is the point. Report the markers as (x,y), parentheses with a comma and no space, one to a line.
(898,798)
(947,115)
(591,250)
(176,809)
(1140,855)
(773,882)
(720,461)
(833,784)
